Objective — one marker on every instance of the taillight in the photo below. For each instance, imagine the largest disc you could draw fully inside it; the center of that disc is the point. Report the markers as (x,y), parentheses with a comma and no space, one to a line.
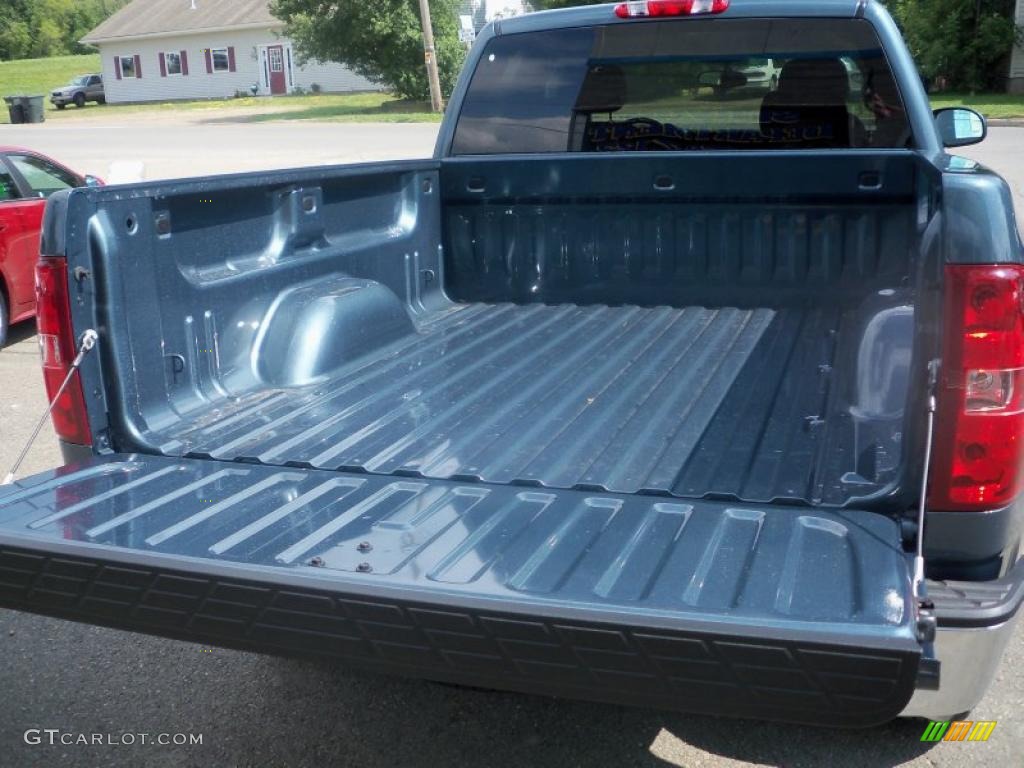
(980,417)
(642,8)
(57,347)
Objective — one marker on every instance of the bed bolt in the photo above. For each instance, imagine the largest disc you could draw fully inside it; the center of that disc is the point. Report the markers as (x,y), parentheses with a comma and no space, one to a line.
(824,369)
(317,562)
(162,223)
(81,273)
(364,567)
(812,422)
(365,546)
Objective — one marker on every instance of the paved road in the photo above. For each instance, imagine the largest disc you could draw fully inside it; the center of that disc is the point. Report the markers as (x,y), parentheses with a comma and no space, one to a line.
(200,143)
(254,710)
(1003,151)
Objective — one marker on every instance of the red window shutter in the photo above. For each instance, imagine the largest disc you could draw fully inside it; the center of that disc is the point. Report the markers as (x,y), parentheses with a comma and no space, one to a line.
(117,66)
(163,65)
(209,60)
(138,66)
(231,58)
(184,62)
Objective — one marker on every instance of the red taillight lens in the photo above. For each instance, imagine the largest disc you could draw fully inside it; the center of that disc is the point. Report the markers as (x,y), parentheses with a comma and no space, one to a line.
(643,8)
(980,418)
(57,347)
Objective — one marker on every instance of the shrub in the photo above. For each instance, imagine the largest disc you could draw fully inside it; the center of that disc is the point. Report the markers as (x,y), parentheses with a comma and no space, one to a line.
(963,43)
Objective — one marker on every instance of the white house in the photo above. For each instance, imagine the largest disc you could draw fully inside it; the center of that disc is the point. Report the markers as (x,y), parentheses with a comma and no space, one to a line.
(160,50)
(1016,78)
(484,11)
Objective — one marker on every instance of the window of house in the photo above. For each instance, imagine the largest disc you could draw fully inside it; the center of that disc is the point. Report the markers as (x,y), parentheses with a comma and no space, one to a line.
(276,59)
(220,59)
(127,64)
(172,60)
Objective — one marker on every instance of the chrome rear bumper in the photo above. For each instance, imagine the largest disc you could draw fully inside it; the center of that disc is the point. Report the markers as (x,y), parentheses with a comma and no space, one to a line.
(976,622)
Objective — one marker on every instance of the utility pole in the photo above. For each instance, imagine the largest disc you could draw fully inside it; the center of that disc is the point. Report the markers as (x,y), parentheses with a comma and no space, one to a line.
(430,53)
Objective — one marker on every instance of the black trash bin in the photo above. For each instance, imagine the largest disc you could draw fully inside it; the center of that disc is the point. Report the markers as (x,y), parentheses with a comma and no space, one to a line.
(15,109)
(33,108)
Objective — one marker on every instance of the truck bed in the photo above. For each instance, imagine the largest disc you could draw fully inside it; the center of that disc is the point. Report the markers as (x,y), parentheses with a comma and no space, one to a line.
(689,402)
(396,320)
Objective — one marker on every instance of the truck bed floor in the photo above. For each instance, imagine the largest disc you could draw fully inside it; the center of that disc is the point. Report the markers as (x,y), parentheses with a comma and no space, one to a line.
(688,402)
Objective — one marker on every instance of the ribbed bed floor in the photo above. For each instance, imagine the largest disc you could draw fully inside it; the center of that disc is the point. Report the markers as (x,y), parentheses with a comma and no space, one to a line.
(689,402)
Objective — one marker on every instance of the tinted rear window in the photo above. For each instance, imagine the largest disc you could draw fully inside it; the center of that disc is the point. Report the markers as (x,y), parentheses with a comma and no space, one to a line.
(684,84)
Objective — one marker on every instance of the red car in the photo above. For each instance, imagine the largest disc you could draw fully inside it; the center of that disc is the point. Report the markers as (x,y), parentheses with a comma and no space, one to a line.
(27,179)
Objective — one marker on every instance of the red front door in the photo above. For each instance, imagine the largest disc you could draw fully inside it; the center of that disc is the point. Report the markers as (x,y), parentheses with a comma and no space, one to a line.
(275,61)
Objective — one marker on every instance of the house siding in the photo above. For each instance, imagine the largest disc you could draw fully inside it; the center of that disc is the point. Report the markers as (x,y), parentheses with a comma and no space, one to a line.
(198,84)
(331,78)
(484,11)
(1016,79)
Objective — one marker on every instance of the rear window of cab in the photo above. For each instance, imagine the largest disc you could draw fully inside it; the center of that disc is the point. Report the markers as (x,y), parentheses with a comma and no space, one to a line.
(684,84)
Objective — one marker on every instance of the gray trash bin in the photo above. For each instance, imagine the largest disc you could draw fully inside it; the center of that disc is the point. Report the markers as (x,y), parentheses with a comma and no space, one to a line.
(33,106)
(15,109)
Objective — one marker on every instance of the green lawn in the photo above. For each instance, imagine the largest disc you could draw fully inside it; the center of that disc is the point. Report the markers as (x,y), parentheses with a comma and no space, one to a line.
(989,104)
(40,76)
(346,107)
(342,107)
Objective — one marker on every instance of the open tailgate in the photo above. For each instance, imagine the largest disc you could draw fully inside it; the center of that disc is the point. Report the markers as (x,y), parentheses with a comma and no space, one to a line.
(750,610)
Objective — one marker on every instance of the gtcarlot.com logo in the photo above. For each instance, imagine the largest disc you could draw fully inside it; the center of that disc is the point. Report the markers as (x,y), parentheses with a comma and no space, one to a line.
(55,736)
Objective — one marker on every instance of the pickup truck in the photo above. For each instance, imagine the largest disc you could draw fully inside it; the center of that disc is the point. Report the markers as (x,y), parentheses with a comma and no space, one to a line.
(643,389)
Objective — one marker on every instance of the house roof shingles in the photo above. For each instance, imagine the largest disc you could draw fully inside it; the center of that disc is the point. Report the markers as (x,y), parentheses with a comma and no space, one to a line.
(156,17)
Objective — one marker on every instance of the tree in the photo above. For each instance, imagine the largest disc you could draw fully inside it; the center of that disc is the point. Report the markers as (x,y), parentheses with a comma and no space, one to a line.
(964,42)
(41,28)
(15,34)
(382,41)
(15,40)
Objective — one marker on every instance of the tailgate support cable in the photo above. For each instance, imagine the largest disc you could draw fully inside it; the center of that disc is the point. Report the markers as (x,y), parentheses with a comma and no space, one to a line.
(85,345)
(919,553)
(926,624)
